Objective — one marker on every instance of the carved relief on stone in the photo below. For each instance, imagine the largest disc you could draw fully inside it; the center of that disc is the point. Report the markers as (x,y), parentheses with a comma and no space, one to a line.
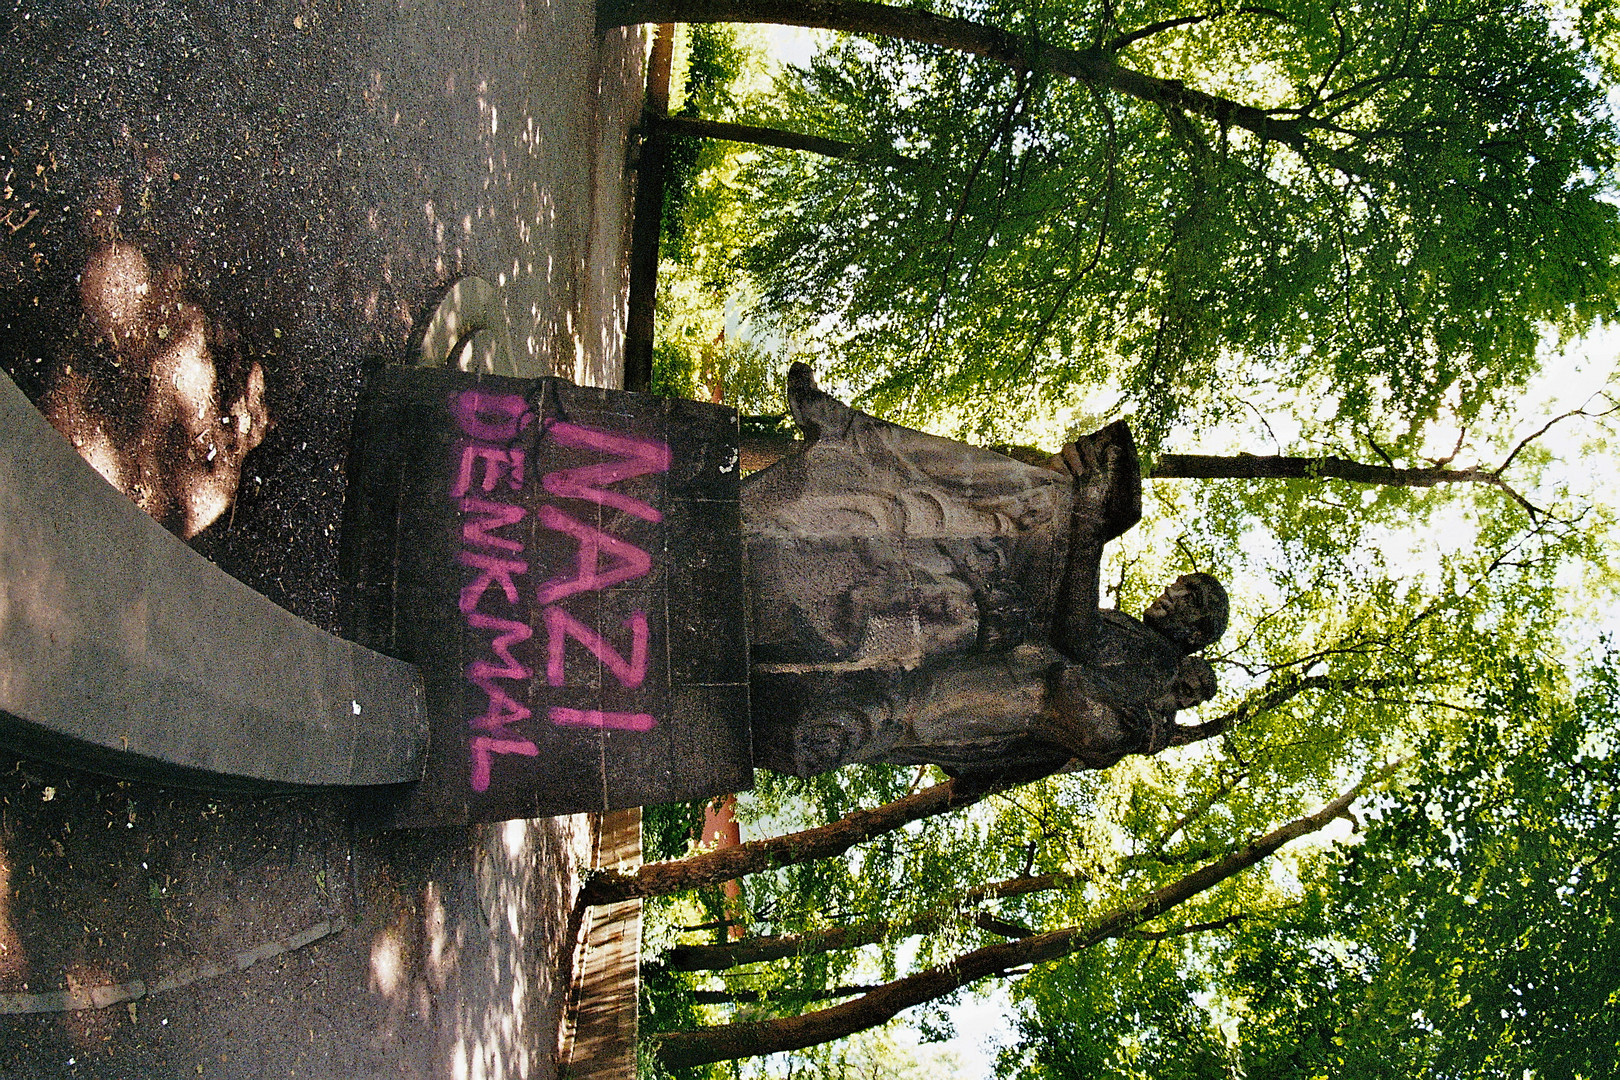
(917,600)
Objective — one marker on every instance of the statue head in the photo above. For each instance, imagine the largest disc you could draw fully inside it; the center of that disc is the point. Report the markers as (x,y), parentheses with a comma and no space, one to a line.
(1192,611)
(1193,685)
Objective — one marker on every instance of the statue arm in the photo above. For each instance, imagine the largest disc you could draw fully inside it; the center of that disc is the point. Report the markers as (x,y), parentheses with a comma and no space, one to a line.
(1074,617)
(1107,501)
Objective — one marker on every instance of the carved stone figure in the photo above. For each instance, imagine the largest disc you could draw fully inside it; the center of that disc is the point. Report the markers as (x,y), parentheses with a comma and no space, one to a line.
(914,599)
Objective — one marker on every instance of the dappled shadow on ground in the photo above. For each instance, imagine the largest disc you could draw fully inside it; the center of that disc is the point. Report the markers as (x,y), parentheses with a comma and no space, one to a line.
(467,956)
(214,218)
(447,966)
(147,406)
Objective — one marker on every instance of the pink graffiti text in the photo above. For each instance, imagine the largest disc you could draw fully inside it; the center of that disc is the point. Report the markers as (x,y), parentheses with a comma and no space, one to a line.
(560,626)
(593,718)
(484,463)
(635,457)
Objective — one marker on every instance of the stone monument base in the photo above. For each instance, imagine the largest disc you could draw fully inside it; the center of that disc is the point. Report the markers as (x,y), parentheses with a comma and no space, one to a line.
(564,566)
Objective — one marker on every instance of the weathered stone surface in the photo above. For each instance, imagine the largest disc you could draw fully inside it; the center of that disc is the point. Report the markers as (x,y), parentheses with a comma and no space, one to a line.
(916,600)
(564,565)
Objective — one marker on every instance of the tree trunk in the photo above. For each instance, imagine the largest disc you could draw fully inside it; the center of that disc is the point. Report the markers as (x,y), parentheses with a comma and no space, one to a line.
(1094,67)
(1251,467)
(692,127)
(753,997)
(679,875)
(683,1049)
(760,451)
(758,950)
(647,219)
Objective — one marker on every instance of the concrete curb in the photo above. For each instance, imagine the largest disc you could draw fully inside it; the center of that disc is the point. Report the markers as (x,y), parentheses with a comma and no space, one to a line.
(100,997)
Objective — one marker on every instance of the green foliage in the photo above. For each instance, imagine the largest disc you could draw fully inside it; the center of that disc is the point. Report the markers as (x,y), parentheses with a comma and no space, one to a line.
(872,1055)
(674,371)
(1475,922)
(668,831)
(1468,933)
(704,348)
(1124,1011)
(1042,240)
(735,371)
(1044,236)
(715,61)
(665,1004)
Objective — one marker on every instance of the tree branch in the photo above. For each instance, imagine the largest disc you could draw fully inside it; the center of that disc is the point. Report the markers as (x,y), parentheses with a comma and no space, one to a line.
(762,949)
(688,1048)
(1273,467)
(725,864)
(1095,67)
(1125,41)
(1183,931)
(1203,806)
(759,950)
(1278,694)
(737,997)
(988,922)
(1548,426)
(693,127)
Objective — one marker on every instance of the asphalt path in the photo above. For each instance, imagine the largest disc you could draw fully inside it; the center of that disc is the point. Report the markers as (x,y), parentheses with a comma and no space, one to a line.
(255,204)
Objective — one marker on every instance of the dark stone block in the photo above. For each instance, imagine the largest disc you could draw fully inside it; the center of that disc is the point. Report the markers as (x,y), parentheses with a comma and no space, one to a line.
(703,445)
(714,721)
(509,512)
(708,639)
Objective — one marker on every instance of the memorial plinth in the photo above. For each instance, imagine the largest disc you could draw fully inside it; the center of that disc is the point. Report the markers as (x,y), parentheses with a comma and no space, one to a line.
(564,566)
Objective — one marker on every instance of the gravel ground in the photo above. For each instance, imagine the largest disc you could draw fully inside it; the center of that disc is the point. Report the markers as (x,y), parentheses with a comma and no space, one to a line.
(195,191)
(217,217)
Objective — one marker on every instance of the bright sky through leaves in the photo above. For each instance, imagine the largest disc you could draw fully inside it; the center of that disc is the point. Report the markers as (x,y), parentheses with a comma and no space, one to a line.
(1454,582)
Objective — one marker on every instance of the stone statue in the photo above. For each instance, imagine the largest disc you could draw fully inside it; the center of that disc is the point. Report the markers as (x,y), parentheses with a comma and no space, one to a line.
(917,600)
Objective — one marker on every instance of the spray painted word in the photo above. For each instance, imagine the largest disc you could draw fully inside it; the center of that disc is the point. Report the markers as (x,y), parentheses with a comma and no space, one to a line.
(486,466)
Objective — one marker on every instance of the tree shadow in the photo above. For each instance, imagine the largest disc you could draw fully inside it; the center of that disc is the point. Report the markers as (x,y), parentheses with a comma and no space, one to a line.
(447,962)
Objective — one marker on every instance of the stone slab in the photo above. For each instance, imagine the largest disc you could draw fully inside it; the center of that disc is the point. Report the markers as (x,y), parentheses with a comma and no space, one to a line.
(125,652)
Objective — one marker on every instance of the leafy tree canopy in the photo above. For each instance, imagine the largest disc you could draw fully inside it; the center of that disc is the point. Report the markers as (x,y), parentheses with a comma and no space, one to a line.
(1469,932)
(1416,192)
(1432,201)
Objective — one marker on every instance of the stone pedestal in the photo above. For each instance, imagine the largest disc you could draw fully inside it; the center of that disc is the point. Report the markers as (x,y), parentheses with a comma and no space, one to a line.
(564,565)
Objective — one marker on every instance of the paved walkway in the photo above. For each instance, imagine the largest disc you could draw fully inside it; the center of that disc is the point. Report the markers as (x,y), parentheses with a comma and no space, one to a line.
(308,176)
(263,940)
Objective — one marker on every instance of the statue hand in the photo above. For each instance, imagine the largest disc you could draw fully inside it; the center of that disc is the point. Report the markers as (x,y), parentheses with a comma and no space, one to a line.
(817,413)
(1107,479)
